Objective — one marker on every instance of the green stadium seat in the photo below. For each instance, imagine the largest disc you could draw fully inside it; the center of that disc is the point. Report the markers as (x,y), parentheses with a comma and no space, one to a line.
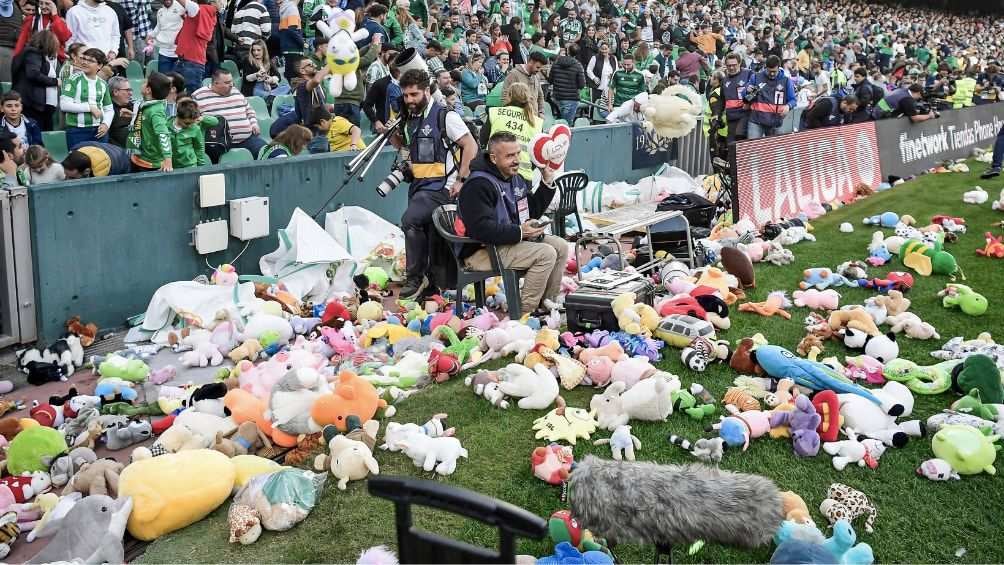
(208,81)
(230,65)
(563,122)
(55,142)
(580,122)
(137,87)
(151,67)
(279,102)
(238,155)
(4,87)
(265,123)
(259,106)
(134,70)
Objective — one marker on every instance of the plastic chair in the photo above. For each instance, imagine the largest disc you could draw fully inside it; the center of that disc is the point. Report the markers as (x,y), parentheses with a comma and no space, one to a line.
(582,122)
(444,218)
(151,67)
(568,185)
(135,70)
(231,66)
(280,101)
(264,123)
(419,546)
(259,106)
(137,87)
(55,142)
(5,87)
(481,113)
(208,81)
(237,155)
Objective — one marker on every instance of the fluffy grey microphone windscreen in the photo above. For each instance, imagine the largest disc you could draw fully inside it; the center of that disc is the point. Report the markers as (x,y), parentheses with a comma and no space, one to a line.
(628,502)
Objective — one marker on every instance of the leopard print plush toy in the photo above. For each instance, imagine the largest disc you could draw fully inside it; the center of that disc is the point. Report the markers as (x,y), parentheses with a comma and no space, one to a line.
(844,503)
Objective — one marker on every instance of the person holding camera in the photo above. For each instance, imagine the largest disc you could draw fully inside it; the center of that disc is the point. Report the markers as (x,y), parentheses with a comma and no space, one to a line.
(440,150)
(903,102)
(736,80)
(497,207)
(771,97)
(261,78)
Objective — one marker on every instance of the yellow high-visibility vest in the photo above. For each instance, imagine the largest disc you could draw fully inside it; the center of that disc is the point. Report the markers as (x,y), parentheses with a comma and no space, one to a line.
(965,88)
(513,120)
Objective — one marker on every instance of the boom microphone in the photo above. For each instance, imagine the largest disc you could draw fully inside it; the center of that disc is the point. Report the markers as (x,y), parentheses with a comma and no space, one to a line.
(410,59)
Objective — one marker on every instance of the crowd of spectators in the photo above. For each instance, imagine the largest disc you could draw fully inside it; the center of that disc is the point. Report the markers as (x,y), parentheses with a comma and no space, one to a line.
(760,65)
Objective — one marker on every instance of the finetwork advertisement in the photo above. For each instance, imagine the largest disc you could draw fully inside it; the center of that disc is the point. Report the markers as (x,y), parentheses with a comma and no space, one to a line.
(779,176)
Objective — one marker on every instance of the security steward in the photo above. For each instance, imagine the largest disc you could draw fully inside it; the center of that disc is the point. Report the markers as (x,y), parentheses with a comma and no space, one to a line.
(733,92)
(715,122)
(829,111)
(497,207)
(965,89)
(440,150)
(903,102)
(775,97)
(518,117)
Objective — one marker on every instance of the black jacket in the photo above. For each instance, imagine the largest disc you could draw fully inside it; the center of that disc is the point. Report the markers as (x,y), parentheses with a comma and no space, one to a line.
(567,78)
(247,67)
(375,103)
(30,72)
(477,202)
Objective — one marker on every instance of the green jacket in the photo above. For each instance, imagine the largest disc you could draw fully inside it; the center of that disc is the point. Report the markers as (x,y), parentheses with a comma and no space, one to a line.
(149,141)
(355,96)
(394,30)
(189,144)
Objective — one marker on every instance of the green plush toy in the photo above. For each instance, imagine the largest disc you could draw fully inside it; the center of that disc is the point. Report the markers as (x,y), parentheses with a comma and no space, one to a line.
(377,276)
(979,372)
(118,367)
(686,402)
(972,405)
(28,448)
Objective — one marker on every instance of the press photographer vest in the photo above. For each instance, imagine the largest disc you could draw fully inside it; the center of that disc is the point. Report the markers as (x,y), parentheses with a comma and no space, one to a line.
(965,88)
(771,99)
(512,206)
(887,106)
(733,89)
(427,144)
(513,120)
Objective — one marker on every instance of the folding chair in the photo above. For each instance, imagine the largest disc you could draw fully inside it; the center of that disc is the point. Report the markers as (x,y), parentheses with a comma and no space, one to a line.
(419,546)
(569,185)
(443,218)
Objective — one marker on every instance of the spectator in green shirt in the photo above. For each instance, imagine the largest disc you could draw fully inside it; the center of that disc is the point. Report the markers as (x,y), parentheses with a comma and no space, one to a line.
(625,84)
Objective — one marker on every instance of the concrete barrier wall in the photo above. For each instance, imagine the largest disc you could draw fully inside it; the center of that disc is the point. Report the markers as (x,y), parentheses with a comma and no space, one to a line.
(102,246)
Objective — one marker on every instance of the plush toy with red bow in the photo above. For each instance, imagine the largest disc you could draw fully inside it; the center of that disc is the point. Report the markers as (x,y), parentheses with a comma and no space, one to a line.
(442,365)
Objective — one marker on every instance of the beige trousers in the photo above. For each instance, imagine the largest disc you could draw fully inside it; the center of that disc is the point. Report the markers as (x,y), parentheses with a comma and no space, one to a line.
(544,263)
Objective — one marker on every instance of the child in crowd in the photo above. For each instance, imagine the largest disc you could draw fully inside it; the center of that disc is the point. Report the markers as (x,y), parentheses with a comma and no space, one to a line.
(42,167)
(20,125)
(344,135)
(73,67)
(149,141)
(290,143)
(290,35)
(188,144)
(86,102)
(319,123)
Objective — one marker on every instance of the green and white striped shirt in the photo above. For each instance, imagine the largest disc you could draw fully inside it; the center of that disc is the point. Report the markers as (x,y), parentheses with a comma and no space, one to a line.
(76,97)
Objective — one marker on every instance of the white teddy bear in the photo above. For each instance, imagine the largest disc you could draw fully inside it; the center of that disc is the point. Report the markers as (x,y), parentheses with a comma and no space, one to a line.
(536,389)
(426,452)
(675,112)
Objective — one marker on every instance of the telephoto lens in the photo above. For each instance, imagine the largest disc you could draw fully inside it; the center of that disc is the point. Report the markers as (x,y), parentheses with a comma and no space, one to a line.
(393,180)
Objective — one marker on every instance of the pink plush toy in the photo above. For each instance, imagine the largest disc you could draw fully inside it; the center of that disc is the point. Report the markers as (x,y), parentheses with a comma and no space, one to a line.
(552,464)
(631,370)
(756,250)
(813,210)
(484,321)
(336,340)
(259,379)
(599,370)
(611,350)
(864,367)
(817,299)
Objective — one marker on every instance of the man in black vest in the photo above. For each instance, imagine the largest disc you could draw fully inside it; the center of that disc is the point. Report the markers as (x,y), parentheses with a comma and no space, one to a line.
(497,207)
(829,111)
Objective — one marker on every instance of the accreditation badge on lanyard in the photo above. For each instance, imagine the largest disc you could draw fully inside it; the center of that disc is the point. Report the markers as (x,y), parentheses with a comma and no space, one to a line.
(523,208)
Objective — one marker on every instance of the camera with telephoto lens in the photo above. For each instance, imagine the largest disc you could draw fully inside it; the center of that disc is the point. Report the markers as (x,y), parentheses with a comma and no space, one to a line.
(400,173)
(752,90)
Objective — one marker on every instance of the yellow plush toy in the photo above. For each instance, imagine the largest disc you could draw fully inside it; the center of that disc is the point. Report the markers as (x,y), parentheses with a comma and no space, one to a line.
(343,56)
(546,338)
(637,319)
(392,332)
(174,490)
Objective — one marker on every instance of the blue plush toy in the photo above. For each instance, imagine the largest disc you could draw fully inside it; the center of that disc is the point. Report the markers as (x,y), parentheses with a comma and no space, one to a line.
(841,545)
(108,389)
(822,278)
(797,552)
(780,363)
(804,543)
(565,553)
(885,220)
(594,263)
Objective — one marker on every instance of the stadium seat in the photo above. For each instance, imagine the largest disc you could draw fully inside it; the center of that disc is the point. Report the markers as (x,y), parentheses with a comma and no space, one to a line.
(137,87)
(55,142)
(480,112)
(134,70)
(231,66)
(238,155)
(564,122)
(259,106)
(364,123)
(468,113)
(265,122)
(208,81)
(151,67)
(4,87)
(580,122)
(279,102)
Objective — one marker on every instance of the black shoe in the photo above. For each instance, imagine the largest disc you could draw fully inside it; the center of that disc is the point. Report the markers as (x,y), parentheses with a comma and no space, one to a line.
(991,173)
(413,288)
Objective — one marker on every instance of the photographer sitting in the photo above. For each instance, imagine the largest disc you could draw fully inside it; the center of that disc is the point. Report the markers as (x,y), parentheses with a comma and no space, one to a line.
(903,102)
(498,207)
(440,149)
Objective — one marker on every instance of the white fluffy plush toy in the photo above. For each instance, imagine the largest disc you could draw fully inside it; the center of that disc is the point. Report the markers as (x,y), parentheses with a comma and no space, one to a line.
(975,196)
(675,112)
(339,26)
(536,389)
(999,203)
(439,453)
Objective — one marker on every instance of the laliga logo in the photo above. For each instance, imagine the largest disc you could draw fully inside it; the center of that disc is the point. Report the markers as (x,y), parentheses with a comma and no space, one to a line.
(549,149)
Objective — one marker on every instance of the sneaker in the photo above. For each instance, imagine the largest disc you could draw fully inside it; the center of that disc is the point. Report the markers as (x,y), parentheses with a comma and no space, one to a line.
(991,173)
(413,288)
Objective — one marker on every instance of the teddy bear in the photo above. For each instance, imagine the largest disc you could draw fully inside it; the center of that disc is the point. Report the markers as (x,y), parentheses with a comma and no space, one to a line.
(894,302)
(536,389)
(913,326)
(648,400)
(856,318)
(246,439)
(633,318)
(351,456)
(247,350)
(99,477)
(674,112)
(64,466)
(174,439)
(865,452)
(795,509)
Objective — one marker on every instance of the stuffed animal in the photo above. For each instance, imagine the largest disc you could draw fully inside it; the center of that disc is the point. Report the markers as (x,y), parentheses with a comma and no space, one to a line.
(552,464)
(912,325)
(100,477)
(881,347)
(975,196)
(64,466)
(855,318)
(648,400)
(433,453)
(740,427)
(536,389)
(396,432)
(634,318)
(709,450)
(342,56)
(622,443)
(968,450)
(885,220)
(702,352)
(565,423)
(31,449)
(937,470)
(865,452)
(351,456)
(673,113)
(91,531)
(292,404)
(795,509)
(965,298)
(818,300)
(25,487)
(122,436)
(486,385)
(844,503)
(775,304)
(246,439)
(352,396)
(175,439)
(117,366)
(247,350)
(821,279)
(802,423)
(869,420)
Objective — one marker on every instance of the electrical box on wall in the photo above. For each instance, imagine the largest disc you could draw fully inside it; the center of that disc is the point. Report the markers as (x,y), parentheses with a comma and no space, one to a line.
(249,217)
(210,237)
(212,190)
